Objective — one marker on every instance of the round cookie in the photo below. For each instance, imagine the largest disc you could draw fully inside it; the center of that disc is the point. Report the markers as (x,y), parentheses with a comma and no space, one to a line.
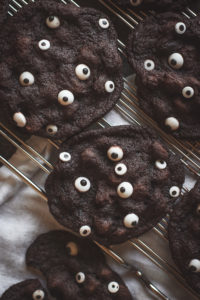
(160,5)
(30,289)
(184,236)
(74,268)
(164,52)
(60,68)
(113,184)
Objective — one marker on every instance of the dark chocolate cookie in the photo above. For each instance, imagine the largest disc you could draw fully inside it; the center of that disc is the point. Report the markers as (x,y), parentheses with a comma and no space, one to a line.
(164,52)
(3,10)
(30,289)
(60,69)
(74,268)
(184,236)
(113,184)
(160,5)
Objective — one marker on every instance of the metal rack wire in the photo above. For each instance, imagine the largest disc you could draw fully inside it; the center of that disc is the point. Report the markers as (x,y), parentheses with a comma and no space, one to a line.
(128,107)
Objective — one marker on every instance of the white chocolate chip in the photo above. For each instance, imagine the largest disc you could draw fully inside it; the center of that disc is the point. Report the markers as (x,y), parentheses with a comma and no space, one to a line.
(20,119)
(172,122)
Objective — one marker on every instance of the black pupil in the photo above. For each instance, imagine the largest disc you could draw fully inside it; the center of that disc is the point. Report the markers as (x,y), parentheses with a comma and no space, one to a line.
(104,22)
(43,44)
(66,156)
(181,27)
(133,223)
(174,193)
(149,65)
(51,18)
(79,277)
(111,86)
(50,130)
(162,162)
(122,190)
(38,297)
(188,93)
(68,250)
(119,168)
(83,182)
(85,71)
(113,286)
(114,155)
(173,62)
(85,231)
(65,99)
(26,80)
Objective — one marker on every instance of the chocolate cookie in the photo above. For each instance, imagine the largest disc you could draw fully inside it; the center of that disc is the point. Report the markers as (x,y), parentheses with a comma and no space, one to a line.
(184,236)
(30,289)
(74,268)
(164,52)
(60,68)
(113,184)
(160,5)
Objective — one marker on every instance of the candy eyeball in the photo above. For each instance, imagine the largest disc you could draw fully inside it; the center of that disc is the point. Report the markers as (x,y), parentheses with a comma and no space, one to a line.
(194,265)
(26,79)
(120,169)
(65,97)
(38,295)
(125,190)
(149,65)
(72,249)
(109,86)
(53,22)
(135,2)
(160,164)
(176,61)
(188,92)
(82,72)
(103,23)
(131,220)
(51,129)
(174,191)
(85,230)
(65,156)
(172,123)
(80,277)
(113,287)
(115,153)
(82,184)
(44,45)
(198,209)
(180,28)
(20,119)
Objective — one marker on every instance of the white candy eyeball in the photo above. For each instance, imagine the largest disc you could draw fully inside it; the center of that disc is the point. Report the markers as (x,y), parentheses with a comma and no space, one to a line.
(120,169)
(174,191)
(85,230)
(26,79)
(109,86)
(44,45)
(115,153)
(113,287)
(51,129)
(198,209)
(82,184)
(20,119)
(194,265)
(135,2)
(82,72)
(180,28)
(131,220)
(160,164)
(188,92)
(65,156)
(103,23)
(38,295)
(65,97)
(173,123)
(53,22)
(149,65)
(80,277)
(72,249)
(125,190)
(176,61)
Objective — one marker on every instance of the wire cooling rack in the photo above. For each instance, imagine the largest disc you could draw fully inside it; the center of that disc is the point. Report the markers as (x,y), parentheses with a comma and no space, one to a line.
(127,106)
